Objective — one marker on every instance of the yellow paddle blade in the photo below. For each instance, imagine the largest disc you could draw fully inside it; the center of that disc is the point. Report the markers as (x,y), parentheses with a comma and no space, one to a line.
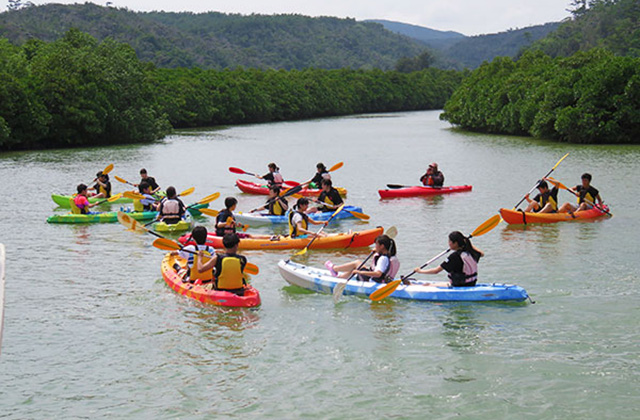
(114,197)
(108,169)
(338,210)
(557,183)
(133,195)
(336,166)
(561,159)
(392,232)
(209,198)
(359,215)
(385,291)
(187,191)
(209,212)
(124,181)
(487,226)
(302,251)
(166,244)
(130,223)
(251,269)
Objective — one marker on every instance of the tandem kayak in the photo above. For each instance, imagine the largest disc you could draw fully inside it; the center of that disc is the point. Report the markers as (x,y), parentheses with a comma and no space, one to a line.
(340,240)
(419,191)
(112,216)
(250,299)
(319,280)
(257,219)
(262,189)
(63,200)
(183,225)
(516,217)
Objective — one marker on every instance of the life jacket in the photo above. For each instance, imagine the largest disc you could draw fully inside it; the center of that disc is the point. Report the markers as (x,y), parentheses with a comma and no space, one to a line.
(137,205)
(293,229)
(277,179)
(74,207)
(277,207)
(392,269)
(170,211)
(588,194)
(192,261)
(229,272)
(223,217)
(550,196)
(469,270)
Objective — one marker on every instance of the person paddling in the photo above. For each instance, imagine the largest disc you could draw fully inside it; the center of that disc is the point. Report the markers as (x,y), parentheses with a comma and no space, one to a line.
(229,267)
(276,205)
(383,268)
(273,177)
(226,222)
(80,203)
(587,196)
(544,202)
(102,186)
(203,251)
(462,264)
(321,173)
(433,177)
(299,221)
(144,177)
(148,203)
(171,209)
(330,196)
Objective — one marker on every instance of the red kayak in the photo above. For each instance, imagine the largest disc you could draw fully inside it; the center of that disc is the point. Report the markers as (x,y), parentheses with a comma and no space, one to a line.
(419,191)
(261,189)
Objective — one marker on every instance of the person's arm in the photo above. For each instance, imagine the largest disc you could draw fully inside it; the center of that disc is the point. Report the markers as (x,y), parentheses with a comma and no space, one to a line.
(598,199)
(478,250)
(202,266)
(434,270)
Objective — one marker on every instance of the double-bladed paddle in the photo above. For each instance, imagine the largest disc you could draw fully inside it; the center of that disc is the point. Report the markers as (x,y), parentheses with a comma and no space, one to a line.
(286,193)
(396,186)
(242,172)
(355,214)
(304,250)
(105,171)
(536,186)
(385,291)
(124,181)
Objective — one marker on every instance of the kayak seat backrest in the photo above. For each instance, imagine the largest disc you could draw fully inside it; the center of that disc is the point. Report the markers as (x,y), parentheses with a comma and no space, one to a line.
(74,209)
(394,263)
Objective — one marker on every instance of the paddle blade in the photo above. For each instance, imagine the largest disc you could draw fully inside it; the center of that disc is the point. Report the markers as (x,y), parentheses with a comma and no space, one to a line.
(336,166)
(114,197)
(236,170)
(209,212)
(385,291)
(392,232)
(133,195)
(124,181)
(487,226)
(108,169)
(395,186)
(359,215)
(166,244)
(187,191)
(338,291)
(302,251)
(561,159)
(338,210)
(291,183)
(209,198)
(292,191)
(557,183)
(251,269)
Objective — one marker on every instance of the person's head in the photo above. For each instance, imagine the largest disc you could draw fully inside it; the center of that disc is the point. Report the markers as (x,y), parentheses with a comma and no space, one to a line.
(199,234)
(171,192)
(273,167)
(321,168)
(143,173)
(302,204)
(326,185)
(145,188)
(543,186)
(102,177)
(385,245)
(586,179)
(433,167)
(457,241)
(82,189)
(230,242)
(274,191)
(230,203)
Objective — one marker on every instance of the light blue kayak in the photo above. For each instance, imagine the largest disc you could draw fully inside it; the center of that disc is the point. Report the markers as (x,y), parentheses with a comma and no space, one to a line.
(319,280)
(259,219)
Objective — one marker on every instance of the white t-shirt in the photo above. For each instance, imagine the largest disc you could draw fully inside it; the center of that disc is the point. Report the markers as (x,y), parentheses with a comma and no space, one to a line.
(382,265)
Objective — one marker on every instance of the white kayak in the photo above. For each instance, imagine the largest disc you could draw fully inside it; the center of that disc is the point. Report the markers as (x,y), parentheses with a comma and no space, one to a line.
(261,219)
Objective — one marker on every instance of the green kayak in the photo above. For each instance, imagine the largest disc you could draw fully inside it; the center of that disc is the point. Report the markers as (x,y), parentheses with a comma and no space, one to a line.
(63,200)
(112,216)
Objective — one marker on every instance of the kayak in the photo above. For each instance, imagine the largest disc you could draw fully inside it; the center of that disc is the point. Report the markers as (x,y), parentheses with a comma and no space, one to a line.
(515,217)
(259,219)
(181,226)
(420,191)
(262,189)
(63,200)
(250,299)
(339,240)
(320,280)
(112,216)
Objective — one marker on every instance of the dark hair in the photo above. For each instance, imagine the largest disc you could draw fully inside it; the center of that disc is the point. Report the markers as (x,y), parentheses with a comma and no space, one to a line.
(542,184)
(81,188)
(275,189)
(230,202)
(230,240)
(464,244)
(171,192)
(388,243)
(199,234)
(586,176)
(302,201)
(143,186)
(273,166)
(99,174)
(143,171)
(321,166)
(326,181)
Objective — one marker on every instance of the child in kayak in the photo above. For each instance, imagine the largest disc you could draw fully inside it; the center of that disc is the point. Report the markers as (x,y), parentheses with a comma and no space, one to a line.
(545,202)
(462,264)
(330,196)
(102,186)
(171,210)
(383,268)
(433,177)
(228,267)
(587,196)
(321,173)
(273,177)
(276,205)
(226,222)
(148,203)
(204,252)
(299,221)
(149,180)
(80,201)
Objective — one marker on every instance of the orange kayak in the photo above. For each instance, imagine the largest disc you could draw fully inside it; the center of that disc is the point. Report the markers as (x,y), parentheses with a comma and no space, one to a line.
(250,299)
(340,240)
(515,217)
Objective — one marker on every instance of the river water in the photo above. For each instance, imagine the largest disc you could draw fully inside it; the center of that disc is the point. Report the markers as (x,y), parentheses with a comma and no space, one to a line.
(92,331)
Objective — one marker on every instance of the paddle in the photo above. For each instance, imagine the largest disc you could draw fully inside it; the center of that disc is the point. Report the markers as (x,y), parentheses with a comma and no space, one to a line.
(105,171)
(242,172)
(564,187)
(169,245)
(214,213)
(287,193)
(137,196)
(536,186)
(396,186)
(124,181)
(110,199)
(337,291)
(133,225)
(355,214)
(304,250)
(205,200)
(385,291)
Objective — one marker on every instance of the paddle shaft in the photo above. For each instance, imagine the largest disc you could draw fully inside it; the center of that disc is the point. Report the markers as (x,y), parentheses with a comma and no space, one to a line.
(536,186)
(292,191)
(322,228)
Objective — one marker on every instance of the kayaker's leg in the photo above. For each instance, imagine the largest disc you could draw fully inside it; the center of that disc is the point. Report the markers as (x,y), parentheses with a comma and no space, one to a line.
(346,270)
(567,208)
(548,208)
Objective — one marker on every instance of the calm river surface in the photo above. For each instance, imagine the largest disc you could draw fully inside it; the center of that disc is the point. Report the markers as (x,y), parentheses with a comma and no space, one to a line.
(92,331)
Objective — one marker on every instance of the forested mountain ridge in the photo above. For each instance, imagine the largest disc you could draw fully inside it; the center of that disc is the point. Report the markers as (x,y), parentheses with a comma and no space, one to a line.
(431,37)
(217,40)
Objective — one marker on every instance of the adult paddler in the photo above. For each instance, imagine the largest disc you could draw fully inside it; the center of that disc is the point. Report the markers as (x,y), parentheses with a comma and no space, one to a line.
(433,177)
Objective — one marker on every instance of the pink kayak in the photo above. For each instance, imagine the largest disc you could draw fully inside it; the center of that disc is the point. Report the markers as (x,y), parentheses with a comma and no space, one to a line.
(419,191)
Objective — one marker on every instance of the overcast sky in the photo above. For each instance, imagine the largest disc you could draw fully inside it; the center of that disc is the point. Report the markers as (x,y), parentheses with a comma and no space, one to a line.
(470,17)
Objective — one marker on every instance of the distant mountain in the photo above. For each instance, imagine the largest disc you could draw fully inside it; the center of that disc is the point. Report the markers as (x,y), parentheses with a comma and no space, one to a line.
(217,40)
(431,37)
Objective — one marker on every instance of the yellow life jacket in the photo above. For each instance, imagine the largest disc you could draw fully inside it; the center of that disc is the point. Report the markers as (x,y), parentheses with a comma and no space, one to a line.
(104,191)
(229,272)
(201,275)
(137,205)
(75,209)
(276,208)
(293,230)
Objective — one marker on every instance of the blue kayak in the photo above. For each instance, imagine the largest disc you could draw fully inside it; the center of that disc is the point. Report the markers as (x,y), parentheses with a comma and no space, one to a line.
(259,219)
(320,280)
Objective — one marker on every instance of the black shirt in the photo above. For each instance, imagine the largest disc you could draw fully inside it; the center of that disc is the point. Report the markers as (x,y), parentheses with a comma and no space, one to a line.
(333,196)
(151,181)
(222,217)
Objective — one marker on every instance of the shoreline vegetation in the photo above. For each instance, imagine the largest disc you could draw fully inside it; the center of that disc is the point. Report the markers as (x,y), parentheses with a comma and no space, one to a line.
(77,91)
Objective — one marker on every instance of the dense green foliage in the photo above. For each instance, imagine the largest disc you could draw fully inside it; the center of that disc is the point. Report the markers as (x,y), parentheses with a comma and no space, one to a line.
(78,91)
(610,24)
(217,40)
(590,97)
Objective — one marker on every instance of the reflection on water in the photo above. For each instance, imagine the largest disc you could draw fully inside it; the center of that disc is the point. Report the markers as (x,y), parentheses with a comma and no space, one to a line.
(461,327)
(387,320)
